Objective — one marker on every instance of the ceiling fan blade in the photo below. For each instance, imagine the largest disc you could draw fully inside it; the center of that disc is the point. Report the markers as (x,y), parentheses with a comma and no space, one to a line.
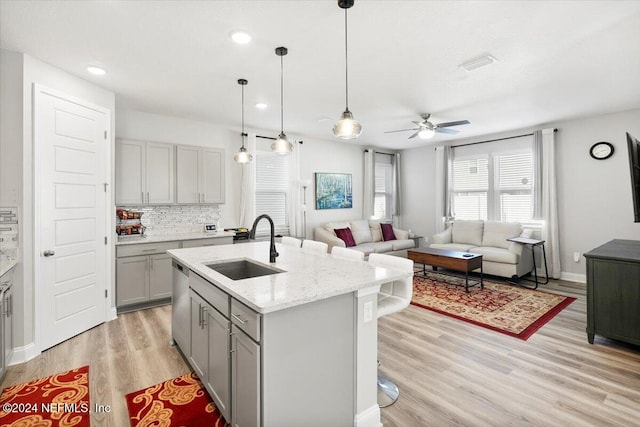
(399,130)
(414,135)
(448,124)
(417,123)
(445,130)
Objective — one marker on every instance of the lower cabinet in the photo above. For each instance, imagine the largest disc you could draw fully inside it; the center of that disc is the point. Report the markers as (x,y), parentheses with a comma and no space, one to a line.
(143,274)
(245,379)
(6,322)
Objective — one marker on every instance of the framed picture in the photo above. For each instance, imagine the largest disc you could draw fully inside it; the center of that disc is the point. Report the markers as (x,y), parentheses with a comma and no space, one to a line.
(333,191)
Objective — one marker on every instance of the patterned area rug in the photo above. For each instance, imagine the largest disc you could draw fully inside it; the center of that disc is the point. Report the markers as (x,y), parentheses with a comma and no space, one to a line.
(511,310)
(58,400)
(182,401)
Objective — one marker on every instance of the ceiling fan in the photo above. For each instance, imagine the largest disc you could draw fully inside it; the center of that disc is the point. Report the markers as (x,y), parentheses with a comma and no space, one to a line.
(426,129)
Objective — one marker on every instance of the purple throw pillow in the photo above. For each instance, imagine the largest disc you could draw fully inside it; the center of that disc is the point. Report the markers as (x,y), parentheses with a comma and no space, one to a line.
(346,236)
(387,232)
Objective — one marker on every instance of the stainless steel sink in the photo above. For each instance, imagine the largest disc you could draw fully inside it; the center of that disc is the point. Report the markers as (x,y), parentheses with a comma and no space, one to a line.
(243,269)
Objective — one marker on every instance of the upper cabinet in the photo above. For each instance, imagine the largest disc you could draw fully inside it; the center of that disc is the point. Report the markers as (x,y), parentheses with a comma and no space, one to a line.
(145,173)
(199,175)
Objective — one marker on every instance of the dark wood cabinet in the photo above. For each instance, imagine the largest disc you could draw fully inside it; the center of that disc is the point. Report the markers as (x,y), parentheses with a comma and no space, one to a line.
(613,291)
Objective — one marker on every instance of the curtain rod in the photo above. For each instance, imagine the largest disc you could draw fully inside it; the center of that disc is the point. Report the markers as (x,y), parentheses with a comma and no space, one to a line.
(380,152)
(498,139)
(269,137)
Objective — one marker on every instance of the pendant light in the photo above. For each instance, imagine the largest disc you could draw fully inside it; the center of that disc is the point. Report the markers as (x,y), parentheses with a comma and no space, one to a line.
(347,127)
(243,156)
(281,145)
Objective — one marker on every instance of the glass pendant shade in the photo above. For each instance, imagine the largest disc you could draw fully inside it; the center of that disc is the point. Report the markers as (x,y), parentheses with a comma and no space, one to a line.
(282,146)
(242,156)
(426,133)
(347,127)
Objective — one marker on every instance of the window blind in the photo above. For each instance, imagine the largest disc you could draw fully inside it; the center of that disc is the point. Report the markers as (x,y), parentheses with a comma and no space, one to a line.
(271,198)
(383,190)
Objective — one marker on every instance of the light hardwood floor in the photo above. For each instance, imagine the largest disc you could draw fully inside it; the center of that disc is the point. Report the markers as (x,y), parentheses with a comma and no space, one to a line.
(449,372)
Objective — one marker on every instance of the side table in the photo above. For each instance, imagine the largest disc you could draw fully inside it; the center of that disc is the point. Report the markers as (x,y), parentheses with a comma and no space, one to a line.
(416,239)
(532,243)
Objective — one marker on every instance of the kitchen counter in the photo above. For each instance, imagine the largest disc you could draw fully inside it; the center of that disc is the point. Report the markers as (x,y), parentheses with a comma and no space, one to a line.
(6,265)
(170,237)
(305,278)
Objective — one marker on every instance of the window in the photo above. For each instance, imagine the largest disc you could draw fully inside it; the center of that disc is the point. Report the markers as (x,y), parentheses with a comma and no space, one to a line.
(383,190)
(271,198)
(495,185)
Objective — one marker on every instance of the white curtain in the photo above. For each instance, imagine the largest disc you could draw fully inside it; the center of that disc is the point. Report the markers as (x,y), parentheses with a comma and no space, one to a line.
(397,192)
(247,185)
(545,148)
(368,197)
(294,192)
(442,203)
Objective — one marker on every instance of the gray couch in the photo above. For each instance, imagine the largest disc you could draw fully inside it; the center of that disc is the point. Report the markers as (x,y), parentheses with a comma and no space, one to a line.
(489,238)
(367,235)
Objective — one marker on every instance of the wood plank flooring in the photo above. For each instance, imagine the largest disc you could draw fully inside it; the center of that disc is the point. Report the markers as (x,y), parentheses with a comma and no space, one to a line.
(449,372)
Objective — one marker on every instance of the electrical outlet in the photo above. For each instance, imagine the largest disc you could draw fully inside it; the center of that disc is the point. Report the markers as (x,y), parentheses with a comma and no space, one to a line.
(368,312)
(576,256)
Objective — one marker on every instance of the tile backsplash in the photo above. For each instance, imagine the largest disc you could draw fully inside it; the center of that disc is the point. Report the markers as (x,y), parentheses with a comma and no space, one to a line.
(9,233)
(177,218)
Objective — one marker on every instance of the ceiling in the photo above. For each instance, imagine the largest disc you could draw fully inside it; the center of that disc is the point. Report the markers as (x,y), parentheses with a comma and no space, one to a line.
(557,60)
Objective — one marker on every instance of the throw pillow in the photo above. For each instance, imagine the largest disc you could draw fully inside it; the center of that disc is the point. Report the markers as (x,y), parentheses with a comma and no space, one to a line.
(387,232)
(360,230)
(345,235)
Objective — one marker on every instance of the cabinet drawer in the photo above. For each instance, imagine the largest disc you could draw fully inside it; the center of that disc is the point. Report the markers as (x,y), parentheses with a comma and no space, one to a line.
(246,319)
(210,293)
(145,249)
(195,243)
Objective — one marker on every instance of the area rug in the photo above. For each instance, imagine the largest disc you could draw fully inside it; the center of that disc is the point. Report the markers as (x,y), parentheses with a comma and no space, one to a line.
(58,400)
(182,401)
(508,309)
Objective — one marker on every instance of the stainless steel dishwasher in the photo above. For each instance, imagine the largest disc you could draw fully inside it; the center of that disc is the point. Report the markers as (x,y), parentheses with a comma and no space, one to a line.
(181,308)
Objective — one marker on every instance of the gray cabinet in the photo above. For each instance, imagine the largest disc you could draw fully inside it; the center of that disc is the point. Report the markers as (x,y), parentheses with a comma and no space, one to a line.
(181,308)
(6,321)
(214,241)
(613,291)
(143,274)
(245,379)
(199,352)
(145,173)
(199,175)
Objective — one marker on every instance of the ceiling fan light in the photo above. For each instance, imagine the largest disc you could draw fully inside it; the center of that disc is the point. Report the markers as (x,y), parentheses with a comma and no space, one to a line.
(426,133)
(347,127)
(242,156)
(282,146)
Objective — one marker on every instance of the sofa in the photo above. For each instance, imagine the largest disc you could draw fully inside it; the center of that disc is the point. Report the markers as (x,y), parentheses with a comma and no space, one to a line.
(367,236)
(489,239)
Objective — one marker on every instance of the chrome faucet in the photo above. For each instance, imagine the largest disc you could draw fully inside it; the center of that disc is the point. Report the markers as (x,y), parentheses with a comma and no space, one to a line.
(272,247)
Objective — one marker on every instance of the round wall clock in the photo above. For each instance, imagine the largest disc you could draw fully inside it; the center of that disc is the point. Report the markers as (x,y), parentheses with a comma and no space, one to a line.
(601,150)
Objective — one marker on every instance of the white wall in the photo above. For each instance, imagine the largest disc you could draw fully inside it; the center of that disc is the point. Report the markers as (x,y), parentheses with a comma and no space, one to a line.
(594,197)
(10,128)
(152,127)
(20,72)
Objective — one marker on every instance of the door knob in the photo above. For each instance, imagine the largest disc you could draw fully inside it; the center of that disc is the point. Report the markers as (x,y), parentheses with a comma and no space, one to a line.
(49,253)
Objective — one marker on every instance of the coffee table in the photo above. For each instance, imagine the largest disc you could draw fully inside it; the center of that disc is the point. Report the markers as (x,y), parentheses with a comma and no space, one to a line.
(459,261)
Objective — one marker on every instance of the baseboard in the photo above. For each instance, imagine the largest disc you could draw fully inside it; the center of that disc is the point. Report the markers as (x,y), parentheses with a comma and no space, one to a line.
(368,418)
(573,277)
(23,354)
(113,314)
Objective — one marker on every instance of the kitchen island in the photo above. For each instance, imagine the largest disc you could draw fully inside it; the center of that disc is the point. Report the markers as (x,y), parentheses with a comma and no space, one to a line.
(297,346)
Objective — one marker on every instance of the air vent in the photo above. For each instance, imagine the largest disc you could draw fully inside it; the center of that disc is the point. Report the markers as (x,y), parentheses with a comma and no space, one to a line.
(480,62)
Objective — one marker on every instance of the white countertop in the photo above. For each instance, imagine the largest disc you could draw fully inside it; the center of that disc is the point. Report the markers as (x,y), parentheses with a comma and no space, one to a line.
(306,277)
(170,237)
(6,265)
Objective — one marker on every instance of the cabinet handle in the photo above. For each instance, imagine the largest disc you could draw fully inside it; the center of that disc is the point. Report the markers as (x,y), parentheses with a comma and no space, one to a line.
(199,315)
(10,305)
(151,260)
(150,250)
(238,318)
(204,317)
(147,197)
(5,307)
(142,196)
(204,197)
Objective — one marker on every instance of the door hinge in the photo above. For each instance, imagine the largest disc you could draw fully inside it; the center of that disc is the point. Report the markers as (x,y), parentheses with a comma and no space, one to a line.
(105,134)
(105,186)
(106,293)
(105,240)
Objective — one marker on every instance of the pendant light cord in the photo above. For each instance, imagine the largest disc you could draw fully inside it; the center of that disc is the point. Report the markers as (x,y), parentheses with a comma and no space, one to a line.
(242,135)
(281,95)
(346,61)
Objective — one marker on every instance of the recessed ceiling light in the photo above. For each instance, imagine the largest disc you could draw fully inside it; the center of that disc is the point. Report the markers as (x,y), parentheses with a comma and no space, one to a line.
(96,71)
(476,63)
(240,37)
(261,106)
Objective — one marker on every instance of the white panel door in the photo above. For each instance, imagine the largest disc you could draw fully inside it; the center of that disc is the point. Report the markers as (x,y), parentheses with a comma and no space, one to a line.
(71,149)
(212,187)
(188,174)
(130,172)
(159,172)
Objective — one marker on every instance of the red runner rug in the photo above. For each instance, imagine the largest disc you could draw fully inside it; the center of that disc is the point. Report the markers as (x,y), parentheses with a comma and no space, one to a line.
(508,309)
(58,400)
(182,401)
